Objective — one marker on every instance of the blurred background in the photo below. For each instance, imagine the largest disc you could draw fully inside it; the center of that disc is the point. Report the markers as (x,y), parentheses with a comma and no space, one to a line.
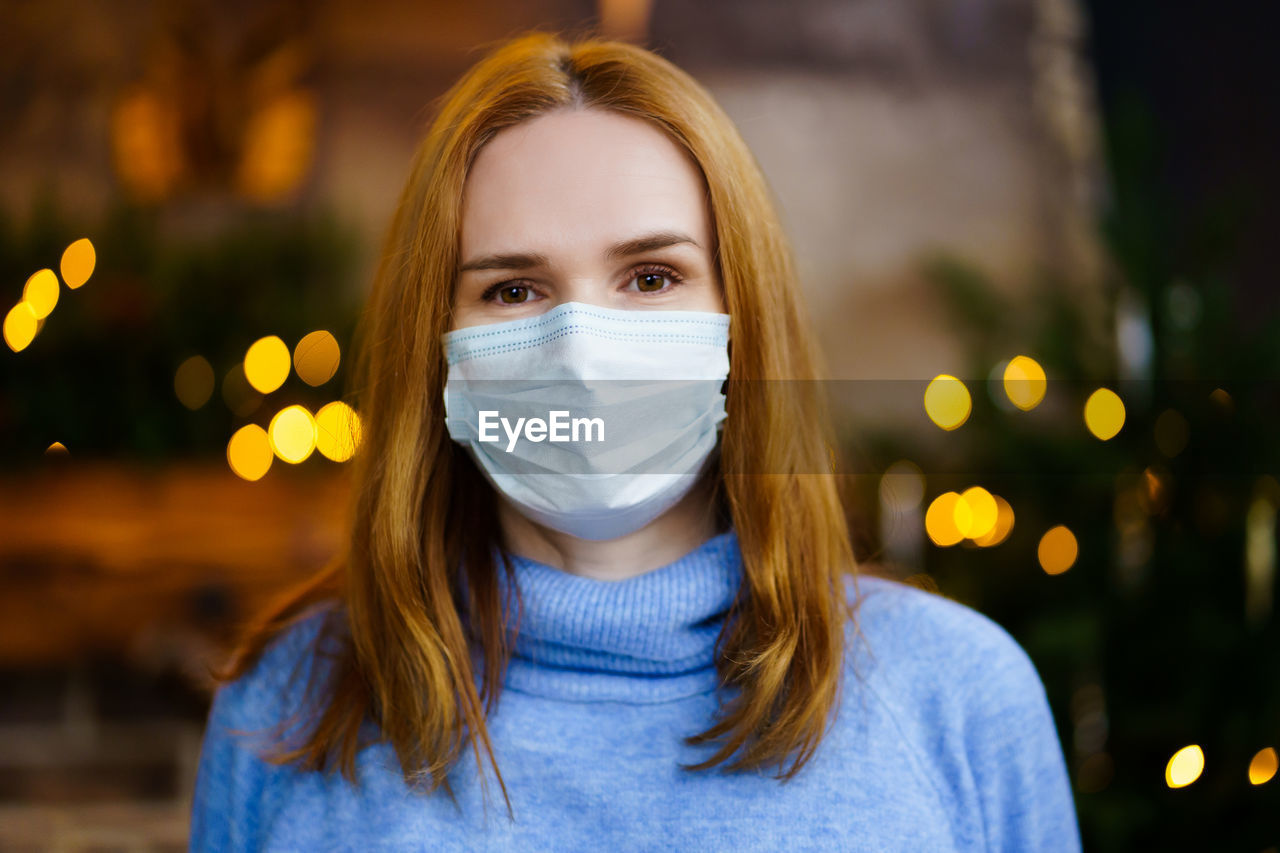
(1035,238)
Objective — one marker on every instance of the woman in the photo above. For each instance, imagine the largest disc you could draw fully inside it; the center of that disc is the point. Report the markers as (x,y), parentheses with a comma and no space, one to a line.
(650,633)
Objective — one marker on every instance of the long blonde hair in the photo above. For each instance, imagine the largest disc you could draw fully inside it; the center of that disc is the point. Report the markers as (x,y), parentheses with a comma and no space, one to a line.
(421,513)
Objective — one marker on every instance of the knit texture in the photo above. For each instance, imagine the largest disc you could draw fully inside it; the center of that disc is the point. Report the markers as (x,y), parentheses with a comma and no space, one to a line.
(943,740)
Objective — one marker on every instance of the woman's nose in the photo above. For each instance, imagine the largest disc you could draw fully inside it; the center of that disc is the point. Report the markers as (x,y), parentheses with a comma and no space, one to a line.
(586,289)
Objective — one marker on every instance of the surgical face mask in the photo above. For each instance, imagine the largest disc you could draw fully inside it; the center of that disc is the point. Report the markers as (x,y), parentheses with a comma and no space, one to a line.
(592,421)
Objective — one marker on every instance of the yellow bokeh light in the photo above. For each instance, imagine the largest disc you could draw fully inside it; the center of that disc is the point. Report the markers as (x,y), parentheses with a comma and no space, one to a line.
(1058,550)
(20,326)
(1262,768)
(78,262)
(337,431)
(193,382)
(1104,413)
(266,364)
(962,516)
(1002,528)
(1024,382)
(293,434)
(316,357)
(41,293)
(249,452)
(947,401)
(57,449)
(982,512)
(940,520)
(1184,767)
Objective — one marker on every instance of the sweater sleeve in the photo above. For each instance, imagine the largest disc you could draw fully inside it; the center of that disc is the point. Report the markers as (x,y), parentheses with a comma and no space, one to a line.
(230,781)
(1016,757)
(237,792)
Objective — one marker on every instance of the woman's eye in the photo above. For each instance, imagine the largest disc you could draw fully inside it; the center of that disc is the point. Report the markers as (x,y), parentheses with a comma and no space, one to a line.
(513,294)
(650,281)
(655,280)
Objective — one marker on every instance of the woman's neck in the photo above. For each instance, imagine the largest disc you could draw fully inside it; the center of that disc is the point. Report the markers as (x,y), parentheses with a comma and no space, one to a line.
(675,533)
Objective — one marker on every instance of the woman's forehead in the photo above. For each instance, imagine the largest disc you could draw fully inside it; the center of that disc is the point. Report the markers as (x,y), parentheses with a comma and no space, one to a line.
(577,179)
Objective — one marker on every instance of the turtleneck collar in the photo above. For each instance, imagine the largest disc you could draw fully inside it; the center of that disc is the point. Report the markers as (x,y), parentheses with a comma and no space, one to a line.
(649,638)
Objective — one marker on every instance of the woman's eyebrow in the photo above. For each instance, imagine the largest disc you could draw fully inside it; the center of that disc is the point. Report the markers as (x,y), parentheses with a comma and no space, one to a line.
(623,249)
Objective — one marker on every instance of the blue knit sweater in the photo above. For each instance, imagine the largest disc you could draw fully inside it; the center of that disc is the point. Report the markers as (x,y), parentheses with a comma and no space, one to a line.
(944,739)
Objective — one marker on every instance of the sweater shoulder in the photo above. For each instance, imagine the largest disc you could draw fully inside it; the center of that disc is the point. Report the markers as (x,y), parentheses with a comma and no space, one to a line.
(967,702)
(275,687)
(925,647)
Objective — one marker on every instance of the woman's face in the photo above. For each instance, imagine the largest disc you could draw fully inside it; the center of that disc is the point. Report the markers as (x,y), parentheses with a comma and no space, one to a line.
(583,206)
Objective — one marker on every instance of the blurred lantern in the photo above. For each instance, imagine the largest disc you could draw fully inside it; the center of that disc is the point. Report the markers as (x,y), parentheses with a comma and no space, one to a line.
(146,143)
(278,142)
(193,123)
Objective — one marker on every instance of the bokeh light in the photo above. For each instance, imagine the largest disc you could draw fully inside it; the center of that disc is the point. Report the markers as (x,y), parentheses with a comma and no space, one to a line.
(1025,382)
(1104,413)
(1058,550)
(1001,529)
(293,434)
(940,519)
(41,293)
(947,401)
(266,364)
(982,512)
(1262,769)
(78,261)
(20,326)
(193,382)
(249,452)
(1184,767)
(316,357)
(337,431)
